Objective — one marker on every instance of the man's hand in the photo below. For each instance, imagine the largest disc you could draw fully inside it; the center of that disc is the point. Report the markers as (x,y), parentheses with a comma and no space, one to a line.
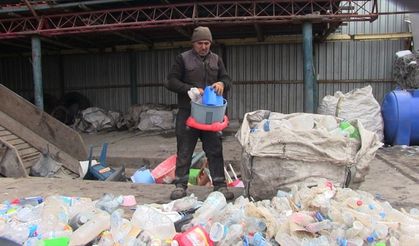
(218,87)
(201,91)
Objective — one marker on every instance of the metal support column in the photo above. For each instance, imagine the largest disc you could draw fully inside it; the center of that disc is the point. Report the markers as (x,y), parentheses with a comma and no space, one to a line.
(308,67)
(133,78)
(37,72)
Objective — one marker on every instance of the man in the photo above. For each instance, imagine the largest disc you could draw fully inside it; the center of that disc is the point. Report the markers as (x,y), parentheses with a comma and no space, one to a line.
(197,67)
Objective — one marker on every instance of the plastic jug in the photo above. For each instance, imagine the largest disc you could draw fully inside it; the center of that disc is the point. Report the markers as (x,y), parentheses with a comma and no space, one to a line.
(211,98)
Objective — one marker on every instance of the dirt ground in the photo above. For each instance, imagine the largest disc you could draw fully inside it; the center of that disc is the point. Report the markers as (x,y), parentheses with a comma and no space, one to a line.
(393,176)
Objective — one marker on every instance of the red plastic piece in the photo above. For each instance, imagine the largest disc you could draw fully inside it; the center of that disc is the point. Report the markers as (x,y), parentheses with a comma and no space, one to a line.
(214,127)
(165,171)
(194,236)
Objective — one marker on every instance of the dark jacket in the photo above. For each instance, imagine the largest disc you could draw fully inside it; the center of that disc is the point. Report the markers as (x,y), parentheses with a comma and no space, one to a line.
(190,70)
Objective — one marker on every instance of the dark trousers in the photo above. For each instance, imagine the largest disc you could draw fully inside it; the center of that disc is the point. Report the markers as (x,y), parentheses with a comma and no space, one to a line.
(186,142)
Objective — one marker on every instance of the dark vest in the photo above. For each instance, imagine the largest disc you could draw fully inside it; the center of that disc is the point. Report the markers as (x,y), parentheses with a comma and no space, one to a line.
(198,72)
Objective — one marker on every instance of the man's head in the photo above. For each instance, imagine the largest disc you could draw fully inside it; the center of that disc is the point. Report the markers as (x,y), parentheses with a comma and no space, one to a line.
(201,40)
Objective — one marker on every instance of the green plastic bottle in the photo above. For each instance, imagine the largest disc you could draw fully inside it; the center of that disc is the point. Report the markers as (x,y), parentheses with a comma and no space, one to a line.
(348,128)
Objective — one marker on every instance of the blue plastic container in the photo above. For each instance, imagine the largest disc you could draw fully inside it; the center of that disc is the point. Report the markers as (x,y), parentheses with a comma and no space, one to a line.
(211,98)
(400,110)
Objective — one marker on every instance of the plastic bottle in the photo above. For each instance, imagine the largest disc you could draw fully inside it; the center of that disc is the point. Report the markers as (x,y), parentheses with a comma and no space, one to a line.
(28,214)
(54,215)
(319,241)
(196,235)
(217,232)
(318,226)
(89,231)
(109,203)
(131,237)
(355,230)
(354,202)
(120,227)
(18,233)
(153,221)
(80,219)
(288,240)
(258,240)
(185,203)
(349,129)
(214,203)
(234,234)
(254,225)
(106,239)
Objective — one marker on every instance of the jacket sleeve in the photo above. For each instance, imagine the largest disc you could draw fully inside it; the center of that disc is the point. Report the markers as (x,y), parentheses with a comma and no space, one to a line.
(223,76)
(174,79)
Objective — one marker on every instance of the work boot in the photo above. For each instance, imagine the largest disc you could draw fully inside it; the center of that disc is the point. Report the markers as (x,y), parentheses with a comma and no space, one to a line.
(223,189)
(178,192)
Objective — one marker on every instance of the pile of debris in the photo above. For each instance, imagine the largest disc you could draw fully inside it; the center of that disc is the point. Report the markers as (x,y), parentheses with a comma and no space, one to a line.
(145,117)
(310,214)
(406,69)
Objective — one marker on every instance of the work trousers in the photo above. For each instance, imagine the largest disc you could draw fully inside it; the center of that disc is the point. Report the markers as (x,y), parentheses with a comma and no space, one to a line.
(186,142)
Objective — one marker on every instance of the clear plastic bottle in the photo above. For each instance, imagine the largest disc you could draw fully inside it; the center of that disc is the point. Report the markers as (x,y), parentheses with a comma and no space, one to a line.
(29,213)
(320,241)
(80,219)
(214,203)
(106,239)
(355,230)
(254,225)
(54,215)
(153,221)
(217,232)
(185,203)
(89,231)
(288,240)
(120,227)
(234,234)
(109,202)
(318,226)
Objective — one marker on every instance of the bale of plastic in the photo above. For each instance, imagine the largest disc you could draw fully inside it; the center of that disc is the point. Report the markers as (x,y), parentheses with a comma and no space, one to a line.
(347,106)
(406,69)
(280,150)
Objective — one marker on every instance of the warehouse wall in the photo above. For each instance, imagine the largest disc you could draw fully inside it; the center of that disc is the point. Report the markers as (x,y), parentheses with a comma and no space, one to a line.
(267,76)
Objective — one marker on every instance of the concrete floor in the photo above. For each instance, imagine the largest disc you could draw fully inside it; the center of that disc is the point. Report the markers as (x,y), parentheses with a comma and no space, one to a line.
(393,176)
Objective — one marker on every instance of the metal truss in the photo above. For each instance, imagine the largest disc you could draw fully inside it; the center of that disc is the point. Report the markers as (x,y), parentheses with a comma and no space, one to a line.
(209,13)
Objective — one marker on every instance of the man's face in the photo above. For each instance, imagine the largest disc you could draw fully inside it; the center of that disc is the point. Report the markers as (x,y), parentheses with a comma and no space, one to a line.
(202,47)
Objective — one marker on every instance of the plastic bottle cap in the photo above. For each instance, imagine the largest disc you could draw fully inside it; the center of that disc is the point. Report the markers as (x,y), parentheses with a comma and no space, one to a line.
(359,203)
(370,239)
(342,242)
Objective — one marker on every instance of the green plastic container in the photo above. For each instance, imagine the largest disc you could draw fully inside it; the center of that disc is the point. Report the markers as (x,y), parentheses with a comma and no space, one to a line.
(193,176)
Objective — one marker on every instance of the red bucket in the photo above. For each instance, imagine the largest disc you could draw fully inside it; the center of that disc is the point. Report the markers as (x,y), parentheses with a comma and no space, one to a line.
(165,171)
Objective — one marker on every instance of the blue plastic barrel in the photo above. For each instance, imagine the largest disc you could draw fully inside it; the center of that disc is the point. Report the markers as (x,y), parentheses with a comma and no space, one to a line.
(400,110)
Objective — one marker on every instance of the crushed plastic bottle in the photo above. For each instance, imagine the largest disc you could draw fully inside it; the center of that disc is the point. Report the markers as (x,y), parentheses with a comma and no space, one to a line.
(154,222)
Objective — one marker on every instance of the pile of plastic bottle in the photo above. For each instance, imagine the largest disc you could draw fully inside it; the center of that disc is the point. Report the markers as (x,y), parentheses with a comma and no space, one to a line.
(310,214)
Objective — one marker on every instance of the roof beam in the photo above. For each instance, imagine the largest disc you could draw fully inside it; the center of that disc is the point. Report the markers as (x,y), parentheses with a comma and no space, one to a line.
(190,14)
(31,9)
